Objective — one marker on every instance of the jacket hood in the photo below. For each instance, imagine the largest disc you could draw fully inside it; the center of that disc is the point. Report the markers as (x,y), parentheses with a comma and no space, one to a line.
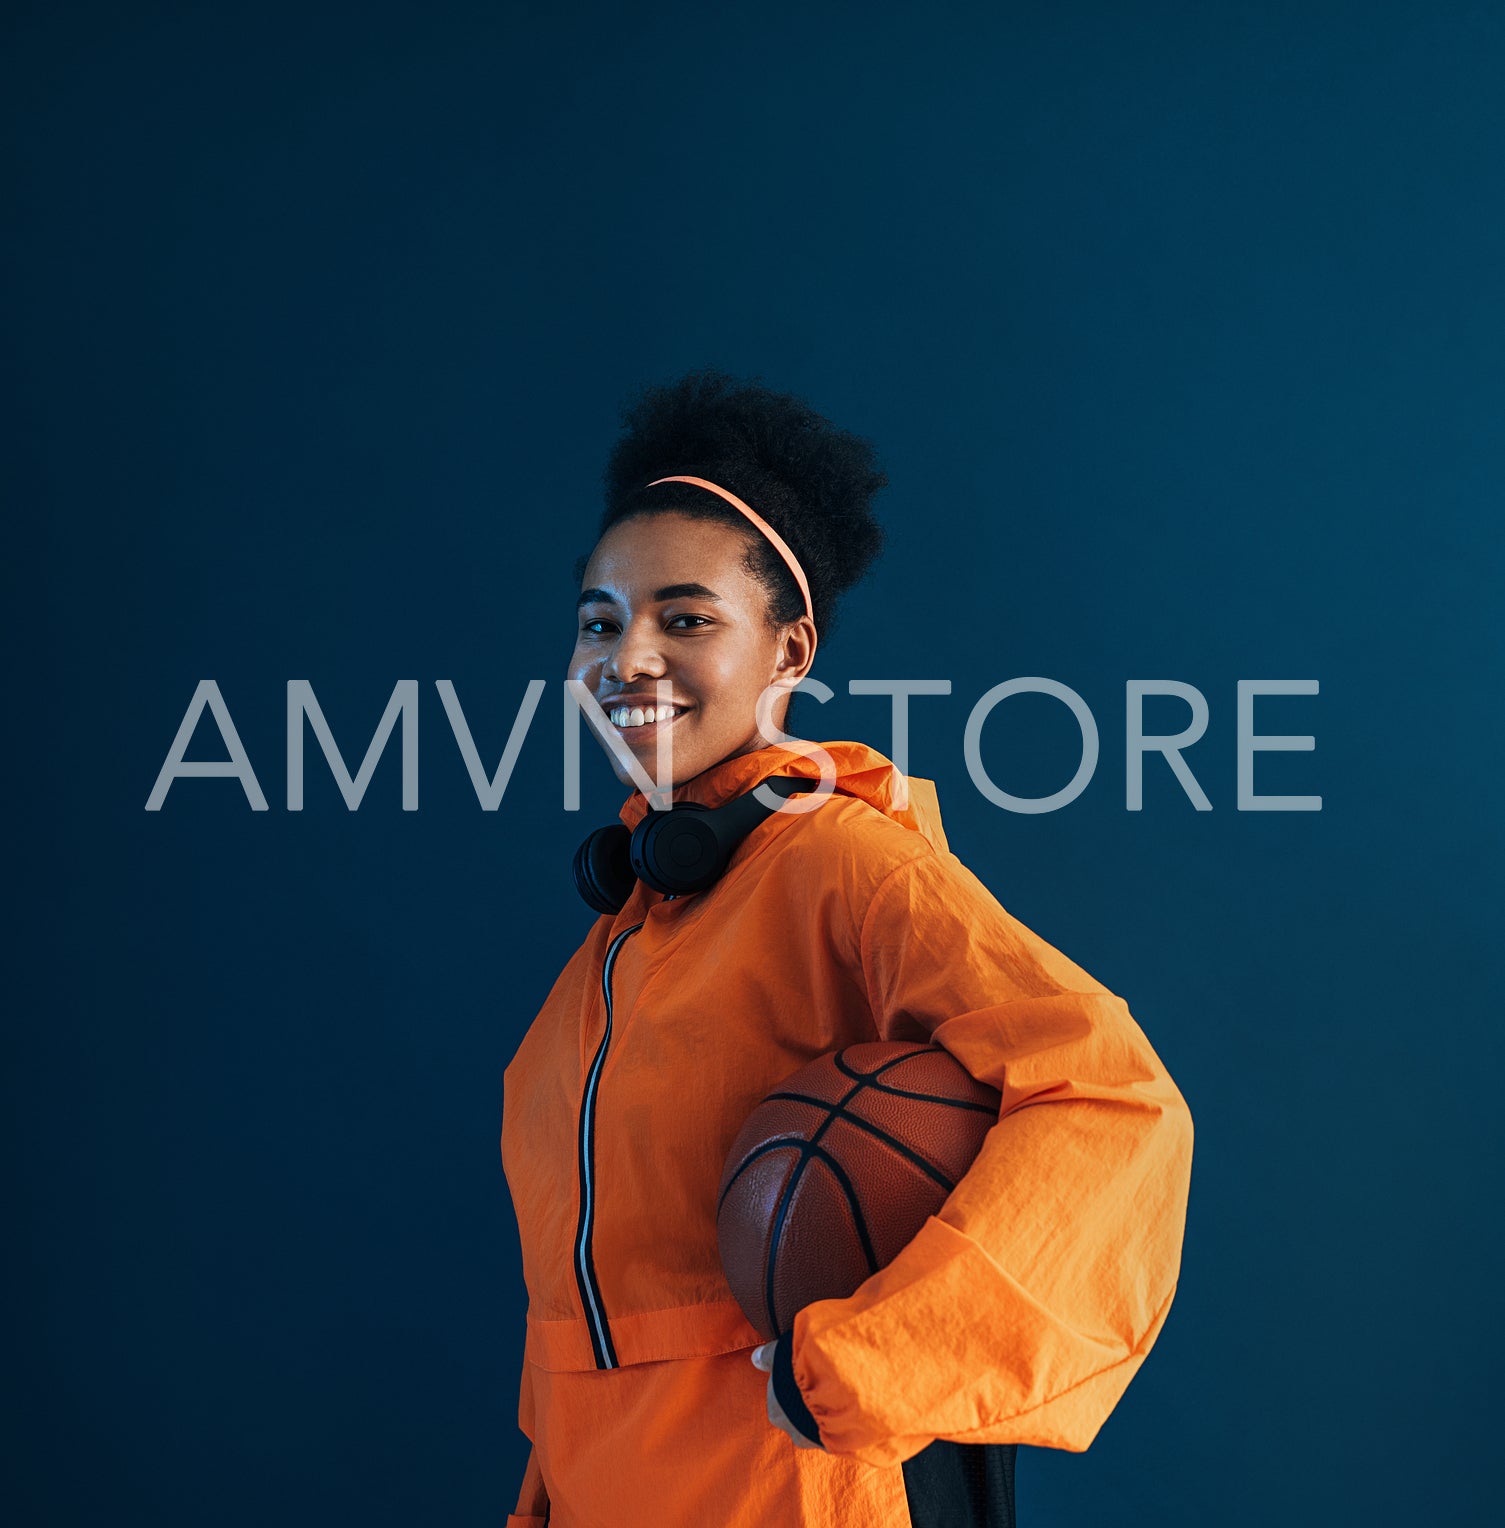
(861,771)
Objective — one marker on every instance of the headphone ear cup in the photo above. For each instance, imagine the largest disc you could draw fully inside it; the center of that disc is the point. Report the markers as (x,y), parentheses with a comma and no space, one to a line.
(603,869)
(679,850)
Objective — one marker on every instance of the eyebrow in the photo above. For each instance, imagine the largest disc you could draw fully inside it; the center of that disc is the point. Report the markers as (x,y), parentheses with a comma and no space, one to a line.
(668,592)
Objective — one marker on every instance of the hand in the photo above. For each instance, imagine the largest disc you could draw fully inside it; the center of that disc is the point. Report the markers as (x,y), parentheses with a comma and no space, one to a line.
(762,1358)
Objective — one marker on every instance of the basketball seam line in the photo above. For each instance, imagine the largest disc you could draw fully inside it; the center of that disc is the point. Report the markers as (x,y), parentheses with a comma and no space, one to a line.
(909,1154)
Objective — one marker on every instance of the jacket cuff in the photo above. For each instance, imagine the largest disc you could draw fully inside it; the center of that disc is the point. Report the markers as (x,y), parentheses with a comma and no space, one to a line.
(788,1393)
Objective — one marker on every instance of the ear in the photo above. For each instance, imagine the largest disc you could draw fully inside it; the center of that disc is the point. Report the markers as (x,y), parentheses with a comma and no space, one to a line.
(796,652)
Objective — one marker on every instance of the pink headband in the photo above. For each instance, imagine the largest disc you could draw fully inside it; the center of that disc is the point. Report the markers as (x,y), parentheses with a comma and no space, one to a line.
(779,544)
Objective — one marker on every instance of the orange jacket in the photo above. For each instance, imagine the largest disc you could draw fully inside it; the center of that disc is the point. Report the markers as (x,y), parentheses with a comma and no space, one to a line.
(1020,1311)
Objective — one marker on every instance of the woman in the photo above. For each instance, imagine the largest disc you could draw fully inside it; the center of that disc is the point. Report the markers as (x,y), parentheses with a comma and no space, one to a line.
(735,519)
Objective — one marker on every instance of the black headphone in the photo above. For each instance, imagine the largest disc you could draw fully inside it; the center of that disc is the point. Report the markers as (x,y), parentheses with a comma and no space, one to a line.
(680,849)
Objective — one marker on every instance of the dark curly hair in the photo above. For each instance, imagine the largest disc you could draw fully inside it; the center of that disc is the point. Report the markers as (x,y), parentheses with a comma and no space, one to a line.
(812,482)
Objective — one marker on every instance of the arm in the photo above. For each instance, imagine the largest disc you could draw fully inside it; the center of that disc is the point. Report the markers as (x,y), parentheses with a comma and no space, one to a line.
(1023,1308)
(532,1509)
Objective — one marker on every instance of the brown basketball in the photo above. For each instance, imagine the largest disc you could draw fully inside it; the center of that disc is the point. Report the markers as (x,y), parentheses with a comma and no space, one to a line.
(838,1168)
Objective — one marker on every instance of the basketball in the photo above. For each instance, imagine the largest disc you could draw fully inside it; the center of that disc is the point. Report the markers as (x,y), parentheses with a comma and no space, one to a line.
(839,1167)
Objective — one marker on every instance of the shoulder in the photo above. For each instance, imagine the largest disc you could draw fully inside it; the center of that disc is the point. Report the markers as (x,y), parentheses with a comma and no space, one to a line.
(890,876)
(852,842)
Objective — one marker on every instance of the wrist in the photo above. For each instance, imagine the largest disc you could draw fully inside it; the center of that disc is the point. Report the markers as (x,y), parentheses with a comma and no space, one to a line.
(787,1391)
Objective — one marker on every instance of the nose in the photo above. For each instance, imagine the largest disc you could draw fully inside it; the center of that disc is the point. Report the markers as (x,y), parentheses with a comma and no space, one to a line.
(635,654)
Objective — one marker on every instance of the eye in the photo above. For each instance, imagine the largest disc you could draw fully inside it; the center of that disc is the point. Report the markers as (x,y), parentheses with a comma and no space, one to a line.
(705,619)
(589,629)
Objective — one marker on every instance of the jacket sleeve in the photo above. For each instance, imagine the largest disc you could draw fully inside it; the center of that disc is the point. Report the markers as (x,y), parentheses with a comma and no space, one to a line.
(532,1509)
(1024,1306)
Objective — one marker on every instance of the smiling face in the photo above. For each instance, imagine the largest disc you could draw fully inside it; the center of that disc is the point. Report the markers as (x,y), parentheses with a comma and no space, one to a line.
(666,597)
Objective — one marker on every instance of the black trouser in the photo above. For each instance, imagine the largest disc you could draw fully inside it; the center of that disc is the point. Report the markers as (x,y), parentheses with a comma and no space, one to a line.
(961,1485)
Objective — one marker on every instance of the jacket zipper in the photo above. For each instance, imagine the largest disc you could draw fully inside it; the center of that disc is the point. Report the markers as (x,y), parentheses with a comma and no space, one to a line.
(585,1268)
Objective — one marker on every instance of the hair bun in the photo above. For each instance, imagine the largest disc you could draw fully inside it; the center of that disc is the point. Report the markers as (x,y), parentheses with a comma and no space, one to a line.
(814,483)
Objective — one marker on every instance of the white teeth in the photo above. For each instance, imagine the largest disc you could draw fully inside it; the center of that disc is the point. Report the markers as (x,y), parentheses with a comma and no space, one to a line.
(640,716)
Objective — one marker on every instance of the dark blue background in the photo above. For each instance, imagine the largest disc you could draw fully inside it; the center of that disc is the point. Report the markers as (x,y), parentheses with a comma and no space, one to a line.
(1179,330)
